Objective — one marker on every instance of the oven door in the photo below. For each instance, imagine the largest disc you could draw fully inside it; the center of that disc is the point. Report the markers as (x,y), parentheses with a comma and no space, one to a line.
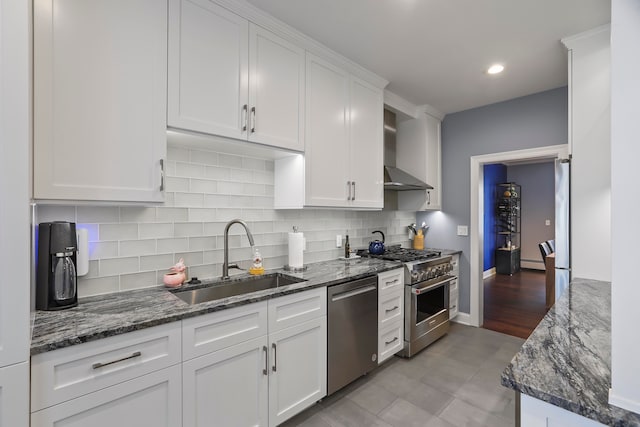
(427,306)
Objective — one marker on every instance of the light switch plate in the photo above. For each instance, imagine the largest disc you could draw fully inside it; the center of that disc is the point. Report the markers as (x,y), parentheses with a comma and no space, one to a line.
(463,230)
(547,222)
(338,240)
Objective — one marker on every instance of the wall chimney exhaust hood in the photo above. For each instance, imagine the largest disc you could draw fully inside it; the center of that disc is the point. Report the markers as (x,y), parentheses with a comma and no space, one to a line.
(398,180)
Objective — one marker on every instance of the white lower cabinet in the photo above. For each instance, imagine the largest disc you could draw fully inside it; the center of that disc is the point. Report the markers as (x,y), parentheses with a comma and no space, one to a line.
(14,395)
(298,371)
(228,386)
(536,413)
(390,313)
(257,381)
(151,400)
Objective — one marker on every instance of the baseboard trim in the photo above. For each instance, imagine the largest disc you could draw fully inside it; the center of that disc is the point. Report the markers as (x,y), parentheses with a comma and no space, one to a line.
(623,402)
(463,319)
(488,273)
(532,265)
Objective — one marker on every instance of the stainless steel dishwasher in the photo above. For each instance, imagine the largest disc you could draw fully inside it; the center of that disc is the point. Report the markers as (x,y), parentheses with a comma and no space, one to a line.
(352,331)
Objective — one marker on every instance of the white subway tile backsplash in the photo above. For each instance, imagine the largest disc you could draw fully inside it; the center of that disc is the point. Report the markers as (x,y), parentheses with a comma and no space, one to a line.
(116,266)
(156,262)
(205,157)
(50,213)
(118,231)
(138,280)
(156,230)
(177,184)
(133,246)
(189,170)
(137,214)
(203,186)
(165,246)
(188,229)
(172,214)
(189,200)
(98,286)
(230,160)
(99,250)
(97,214)
(137,247)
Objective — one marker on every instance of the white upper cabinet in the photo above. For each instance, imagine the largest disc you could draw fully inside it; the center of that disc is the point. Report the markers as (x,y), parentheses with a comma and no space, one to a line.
(343,153)
(418,153)
(231,78)
(99,99)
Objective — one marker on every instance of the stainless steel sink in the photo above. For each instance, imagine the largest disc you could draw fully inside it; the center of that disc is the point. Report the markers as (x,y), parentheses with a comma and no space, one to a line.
(236,287)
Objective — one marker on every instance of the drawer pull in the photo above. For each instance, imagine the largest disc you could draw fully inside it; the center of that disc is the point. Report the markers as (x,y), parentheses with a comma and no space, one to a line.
(389,310)
(392,341)
(391,282)
(102,365)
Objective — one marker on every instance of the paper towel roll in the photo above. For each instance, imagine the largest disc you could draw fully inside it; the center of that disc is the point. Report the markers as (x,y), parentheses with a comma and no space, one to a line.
(296,246)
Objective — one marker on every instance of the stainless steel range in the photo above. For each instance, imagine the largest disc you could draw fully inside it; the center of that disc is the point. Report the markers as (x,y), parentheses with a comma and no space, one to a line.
(427,276)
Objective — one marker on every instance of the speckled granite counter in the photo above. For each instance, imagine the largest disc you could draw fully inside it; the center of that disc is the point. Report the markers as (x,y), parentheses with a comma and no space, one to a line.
(567,359)
(107,315)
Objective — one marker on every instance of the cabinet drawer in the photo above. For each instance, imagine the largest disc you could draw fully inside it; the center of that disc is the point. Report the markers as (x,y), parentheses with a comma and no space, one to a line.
(390,308)
(453,304)
(151,400)
(64,374)
(215,331)
(390,341)
(291,310)
(390,280)
(453,286)
(455,263)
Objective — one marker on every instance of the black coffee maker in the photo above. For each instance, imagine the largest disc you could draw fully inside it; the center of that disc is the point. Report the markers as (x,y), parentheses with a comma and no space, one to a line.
(56,282)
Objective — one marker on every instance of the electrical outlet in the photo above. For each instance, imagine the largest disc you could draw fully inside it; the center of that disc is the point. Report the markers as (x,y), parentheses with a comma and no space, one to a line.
(338,240)
(463,230)
(547,222)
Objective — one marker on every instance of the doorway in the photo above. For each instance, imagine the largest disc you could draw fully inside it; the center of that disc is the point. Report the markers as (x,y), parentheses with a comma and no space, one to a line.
(476,315)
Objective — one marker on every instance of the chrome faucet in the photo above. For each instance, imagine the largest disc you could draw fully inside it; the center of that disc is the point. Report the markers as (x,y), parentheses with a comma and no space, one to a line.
(226,266)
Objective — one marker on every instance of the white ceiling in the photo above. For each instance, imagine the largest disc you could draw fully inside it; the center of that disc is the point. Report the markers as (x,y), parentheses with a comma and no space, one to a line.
(436,52)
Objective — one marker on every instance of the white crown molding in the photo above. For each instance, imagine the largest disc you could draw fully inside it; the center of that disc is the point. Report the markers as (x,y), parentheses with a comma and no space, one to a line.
(400,104)
(263,19)
(585,37)
(432,111)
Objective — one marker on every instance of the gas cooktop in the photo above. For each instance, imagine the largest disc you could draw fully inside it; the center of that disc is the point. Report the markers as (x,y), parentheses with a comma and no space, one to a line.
(396,253)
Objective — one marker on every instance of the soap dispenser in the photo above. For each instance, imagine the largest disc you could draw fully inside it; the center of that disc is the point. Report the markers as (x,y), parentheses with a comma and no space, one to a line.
(256,267)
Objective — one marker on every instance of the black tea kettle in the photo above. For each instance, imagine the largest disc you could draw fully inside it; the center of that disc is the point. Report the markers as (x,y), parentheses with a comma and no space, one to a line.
(377,247)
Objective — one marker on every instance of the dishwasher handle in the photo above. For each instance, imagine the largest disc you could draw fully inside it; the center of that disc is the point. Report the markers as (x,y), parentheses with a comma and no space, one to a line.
(353,292)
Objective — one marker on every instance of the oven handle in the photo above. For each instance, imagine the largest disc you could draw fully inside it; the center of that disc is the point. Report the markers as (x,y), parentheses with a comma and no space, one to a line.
(418,291)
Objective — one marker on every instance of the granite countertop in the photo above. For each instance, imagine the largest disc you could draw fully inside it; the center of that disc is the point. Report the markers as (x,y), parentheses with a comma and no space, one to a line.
(118,313)
(567,359)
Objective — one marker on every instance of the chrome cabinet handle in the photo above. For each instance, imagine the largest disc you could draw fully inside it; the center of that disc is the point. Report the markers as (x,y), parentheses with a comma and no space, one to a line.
(428,197)
(245,117)
(266,355)
(275,357)
(253,119)
(391,309)
(391,282)
(349,190)
(161,174)
(102,365)
(353,185)
(392,341)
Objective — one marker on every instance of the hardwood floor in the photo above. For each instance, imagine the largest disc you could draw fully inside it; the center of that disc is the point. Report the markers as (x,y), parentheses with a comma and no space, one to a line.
(514,305)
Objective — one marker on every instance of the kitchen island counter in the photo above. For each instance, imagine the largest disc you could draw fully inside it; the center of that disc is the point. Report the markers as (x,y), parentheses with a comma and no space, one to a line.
(567,359)
(118,313)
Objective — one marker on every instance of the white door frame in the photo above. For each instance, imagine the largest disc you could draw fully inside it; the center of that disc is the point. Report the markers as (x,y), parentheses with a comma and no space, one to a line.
(476,315)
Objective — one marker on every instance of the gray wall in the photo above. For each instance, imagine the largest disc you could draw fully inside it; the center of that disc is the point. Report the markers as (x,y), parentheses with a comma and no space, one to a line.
(532,121)
(537,205)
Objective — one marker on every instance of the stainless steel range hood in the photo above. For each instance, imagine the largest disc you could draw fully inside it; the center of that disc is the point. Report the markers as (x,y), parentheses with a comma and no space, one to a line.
(396,179)
(399,180)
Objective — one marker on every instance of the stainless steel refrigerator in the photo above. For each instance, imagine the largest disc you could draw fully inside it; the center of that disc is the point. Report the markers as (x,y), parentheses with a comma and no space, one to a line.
(563,228)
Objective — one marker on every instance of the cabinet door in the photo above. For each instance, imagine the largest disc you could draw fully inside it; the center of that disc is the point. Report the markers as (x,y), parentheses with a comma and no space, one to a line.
(208,68)
(327,136)
(228,387)
(151,400)
(100,81)
(276,89)
(366,149)
(298,369)
(14,395)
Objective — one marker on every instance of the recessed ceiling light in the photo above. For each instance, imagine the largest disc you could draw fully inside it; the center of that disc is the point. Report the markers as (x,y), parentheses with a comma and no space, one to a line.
(495,69)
